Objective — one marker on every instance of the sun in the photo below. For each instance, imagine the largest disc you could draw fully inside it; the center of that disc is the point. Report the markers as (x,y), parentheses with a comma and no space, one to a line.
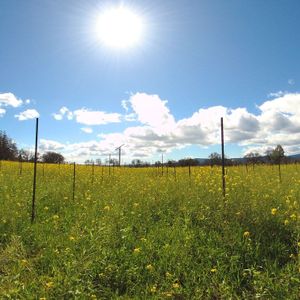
(119,27)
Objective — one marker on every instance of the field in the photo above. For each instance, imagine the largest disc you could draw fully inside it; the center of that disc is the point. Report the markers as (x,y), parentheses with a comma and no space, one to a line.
(141,234)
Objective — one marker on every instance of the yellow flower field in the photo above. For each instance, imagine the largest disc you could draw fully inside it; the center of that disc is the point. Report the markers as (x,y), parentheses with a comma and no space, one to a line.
(138,233)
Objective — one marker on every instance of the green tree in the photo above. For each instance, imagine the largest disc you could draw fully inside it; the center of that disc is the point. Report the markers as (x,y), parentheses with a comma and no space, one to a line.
(52,157)
(24,155)
(275,155)
(252,157)
(215,159)
(187,162)
(8,148)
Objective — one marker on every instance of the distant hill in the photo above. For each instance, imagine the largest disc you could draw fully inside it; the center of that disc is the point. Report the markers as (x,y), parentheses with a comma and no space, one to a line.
(202,161)
(295,156)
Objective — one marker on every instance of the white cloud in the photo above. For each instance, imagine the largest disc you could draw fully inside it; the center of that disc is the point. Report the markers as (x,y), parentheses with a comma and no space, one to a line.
(286,103)
(277,122)
(2,112)
(27,115)
(151,110)
(9,99)
(291,81)
(87,129)
(89,117)
(57,117)
(124,104)
(63,112)
(50,145)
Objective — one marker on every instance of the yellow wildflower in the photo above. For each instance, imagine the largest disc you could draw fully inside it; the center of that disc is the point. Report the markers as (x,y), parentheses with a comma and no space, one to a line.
(49,284)
(107,207)
(213,270)
(71,238)
(24,261)
(153,289)
(176,285)
(273,211)
(246,234)
(149,267)
(137,250)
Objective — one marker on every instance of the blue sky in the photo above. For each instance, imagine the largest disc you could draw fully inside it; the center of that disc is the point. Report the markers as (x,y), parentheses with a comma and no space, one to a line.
(196,61)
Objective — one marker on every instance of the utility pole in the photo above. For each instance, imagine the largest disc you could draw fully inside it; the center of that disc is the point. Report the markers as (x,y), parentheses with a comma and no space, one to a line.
(119,148)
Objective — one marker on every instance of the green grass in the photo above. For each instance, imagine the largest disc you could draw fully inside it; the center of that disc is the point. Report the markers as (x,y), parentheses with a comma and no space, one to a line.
(138,235)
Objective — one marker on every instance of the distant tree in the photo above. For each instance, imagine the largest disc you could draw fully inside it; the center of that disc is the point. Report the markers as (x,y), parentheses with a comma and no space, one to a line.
(112,161)
(252,157)
(136,162)
(88,162)
(24,155)
(171,163)
(278,154)
(268,154)
(139,163)
(52,157)
(8,148)
(275,155)
(146,164)
(228,161)
(115,162)
(215,159)
(98,162)
(187,162)
(31,157)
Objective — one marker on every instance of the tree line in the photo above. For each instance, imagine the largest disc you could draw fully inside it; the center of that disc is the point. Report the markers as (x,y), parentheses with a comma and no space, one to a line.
(10,151)
(272,156)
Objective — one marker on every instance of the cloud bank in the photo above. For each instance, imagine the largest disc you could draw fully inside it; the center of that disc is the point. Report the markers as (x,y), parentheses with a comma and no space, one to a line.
(277,122)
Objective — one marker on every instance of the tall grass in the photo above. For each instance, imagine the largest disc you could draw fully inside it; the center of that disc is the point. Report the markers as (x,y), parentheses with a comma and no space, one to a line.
(139,235)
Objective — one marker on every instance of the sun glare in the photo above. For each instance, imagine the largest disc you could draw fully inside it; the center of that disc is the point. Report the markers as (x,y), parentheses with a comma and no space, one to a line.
(119,27)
